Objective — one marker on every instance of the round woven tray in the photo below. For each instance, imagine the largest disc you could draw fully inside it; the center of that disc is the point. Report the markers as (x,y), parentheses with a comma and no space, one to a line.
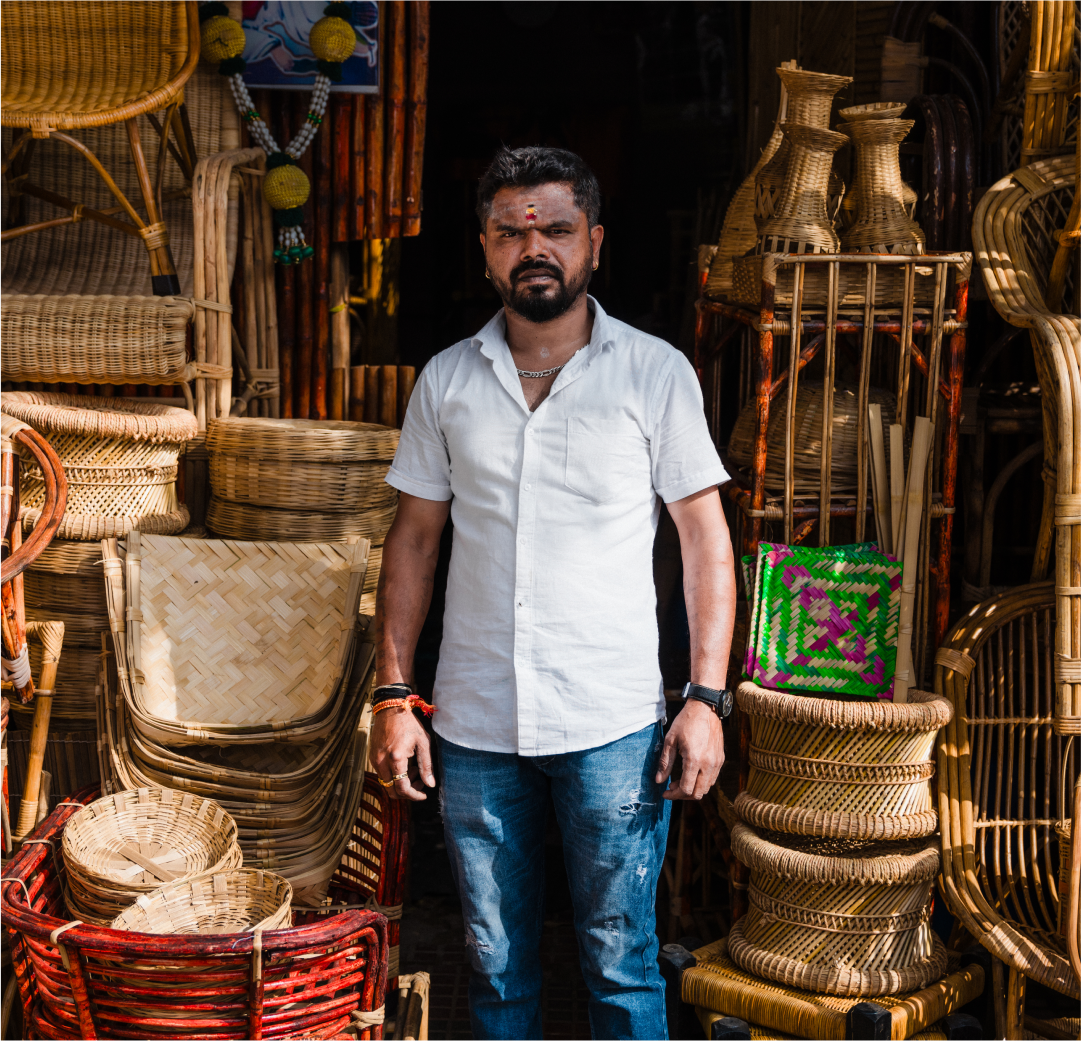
(119,457)
(850,770)
(239,520)
(227,902)
(310,440)
(108,844)
(836,916)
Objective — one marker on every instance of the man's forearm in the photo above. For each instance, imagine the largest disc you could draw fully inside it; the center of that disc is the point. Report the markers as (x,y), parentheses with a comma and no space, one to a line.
(709,588)
(406,580)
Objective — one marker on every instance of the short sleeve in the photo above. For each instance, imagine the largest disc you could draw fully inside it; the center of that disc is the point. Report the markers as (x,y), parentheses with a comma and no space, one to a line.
(421,465)
(684,458)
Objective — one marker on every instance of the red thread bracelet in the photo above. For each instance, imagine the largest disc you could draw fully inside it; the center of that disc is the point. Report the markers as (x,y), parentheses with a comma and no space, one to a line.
(413,701)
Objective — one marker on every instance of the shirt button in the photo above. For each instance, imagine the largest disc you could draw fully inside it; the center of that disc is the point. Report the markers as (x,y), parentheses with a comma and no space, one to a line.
(528,487)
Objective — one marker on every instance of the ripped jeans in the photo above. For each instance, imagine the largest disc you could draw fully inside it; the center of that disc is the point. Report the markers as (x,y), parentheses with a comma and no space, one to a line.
(614,823)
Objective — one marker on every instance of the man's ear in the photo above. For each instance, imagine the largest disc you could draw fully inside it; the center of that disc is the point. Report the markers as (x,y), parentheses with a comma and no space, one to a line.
(483,245)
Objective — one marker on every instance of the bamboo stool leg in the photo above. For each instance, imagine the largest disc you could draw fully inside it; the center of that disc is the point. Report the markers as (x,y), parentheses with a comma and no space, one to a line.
(1015,1006)
(163,277)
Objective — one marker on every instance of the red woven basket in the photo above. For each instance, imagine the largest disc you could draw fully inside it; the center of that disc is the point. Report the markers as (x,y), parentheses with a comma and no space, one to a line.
(304,982)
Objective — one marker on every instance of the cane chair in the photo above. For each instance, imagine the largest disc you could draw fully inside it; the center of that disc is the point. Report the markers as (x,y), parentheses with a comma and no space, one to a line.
(78,303)
(76,65)
(1002,773)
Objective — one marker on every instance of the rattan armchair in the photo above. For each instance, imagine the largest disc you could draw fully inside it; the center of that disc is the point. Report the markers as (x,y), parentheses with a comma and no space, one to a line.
(78,297)
(75,65)
(1002,773)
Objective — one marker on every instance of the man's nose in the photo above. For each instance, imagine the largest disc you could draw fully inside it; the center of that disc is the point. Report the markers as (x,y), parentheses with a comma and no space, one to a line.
(534,244)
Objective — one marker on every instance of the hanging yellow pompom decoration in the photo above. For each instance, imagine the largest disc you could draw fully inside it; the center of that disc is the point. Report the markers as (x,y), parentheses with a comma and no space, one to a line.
(332,39)
(222,38)
(286,187)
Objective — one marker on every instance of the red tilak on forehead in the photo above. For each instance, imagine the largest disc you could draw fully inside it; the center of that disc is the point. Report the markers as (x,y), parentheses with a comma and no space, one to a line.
(531,213)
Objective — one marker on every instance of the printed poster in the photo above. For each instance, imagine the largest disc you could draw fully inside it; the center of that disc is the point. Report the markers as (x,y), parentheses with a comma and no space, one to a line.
(278,54)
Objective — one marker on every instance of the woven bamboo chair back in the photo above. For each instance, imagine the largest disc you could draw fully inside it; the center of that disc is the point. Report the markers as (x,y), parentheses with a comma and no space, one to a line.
(1051,80)
(1001,769)
(92,259)
(74,63)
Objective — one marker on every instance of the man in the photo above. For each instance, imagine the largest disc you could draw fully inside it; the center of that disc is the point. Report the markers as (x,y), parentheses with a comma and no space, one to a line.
(550,438)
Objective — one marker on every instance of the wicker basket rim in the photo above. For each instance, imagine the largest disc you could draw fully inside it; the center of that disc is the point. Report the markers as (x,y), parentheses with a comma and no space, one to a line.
(99,417)
(759,854)
(923,711)
(874,110)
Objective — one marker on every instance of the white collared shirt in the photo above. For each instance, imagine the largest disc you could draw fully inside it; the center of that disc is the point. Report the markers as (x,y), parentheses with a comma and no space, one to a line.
(550,630)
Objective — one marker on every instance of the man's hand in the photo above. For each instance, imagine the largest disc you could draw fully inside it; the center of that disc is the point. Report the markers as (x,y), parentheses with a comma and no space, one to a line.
(400,745)
(696,737)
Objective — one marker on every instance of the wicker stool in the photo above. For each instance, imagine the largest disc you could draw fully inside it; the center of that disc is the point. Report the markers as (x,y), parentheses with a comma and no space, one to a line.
(853,770)
(120,458)
(836,916)
(716,986)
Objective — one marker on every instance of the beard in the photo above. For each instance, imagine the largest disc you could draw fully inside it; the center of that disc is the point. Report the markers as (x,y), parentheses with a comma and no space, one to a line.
(543,303)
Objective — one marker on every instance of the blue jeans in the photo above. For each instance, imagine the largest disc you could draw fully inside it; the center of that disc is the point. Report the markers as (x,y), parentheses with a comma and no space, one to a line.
(614,823)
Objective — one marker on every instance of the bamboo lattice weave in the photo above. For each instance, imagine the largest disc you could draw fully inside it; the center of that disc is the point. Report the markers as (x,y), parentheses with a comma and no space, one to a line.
(236,634)
(238,520)
(848,770)
(227,902)
(72,64)
(718,984)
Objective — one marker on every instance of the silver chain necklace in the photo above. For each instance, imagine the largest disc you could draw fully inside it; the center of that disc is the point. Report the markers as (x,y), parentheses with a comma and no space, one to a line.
(543,372)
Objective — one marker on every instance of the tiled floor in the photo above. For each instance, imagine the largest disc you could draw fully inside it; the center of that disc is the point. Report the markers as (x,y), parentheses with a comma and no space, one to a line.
(565,994)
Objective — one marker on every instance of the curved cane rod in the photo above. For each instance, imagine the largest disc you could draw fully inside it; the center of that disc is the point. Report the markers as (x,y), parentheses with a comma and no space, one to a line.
(56,499)
(1073,912)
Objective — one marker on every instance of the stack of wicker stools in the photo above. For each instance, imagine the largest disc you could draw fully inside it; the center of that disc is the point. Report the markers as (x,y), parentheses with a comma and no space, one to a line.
(303,480)
(836,825)
(120,459)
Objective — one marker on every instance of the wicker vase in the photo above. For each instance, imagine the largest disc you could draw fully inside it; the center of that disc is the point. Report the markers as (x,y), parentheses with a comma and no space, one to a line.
(882,224)
(801,222)
(846,217)
(810,98)
(836,916)
(837,769)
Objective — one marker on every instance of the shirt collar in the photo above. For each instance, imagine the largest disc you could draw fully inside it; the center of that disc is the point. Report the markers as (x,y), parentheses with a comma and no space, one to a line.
(493,337)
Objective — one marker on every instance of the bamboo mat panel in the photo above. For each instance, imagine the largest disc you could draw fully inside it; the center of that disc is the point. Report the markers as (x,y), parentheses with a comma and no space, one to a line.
(239,633)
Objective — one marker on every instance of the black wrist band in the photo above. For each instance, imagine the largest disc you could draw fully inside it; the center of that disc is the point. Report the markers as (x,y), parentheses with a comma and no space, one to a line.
(719,700)
(386,691)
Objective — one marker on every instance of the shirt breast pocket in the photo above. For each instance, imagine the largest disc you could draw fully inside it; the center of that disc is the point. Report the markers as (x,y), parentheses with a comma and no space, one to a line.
(606,457)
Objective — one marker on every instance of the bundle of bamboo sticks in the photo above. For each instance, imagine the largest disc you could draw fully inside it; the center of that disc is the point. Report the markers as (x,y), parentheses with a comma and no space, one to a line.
(899,503)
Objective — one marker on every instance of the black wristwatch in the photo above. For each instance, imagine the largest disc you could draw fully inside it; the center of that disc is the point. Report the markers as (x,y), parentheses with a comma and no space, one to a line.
(720,700)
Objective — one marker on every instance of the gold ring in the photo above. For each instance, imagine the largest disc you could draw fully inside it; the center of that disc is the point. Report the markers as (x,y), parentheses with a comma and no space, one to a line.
(385,784)
(399,777)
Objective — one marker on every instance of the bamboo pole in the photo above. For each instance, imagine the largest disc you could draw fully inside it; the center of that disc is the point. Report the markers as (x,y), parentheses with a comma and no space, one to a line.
(356,393)
(305,325)
(358,171)
(371,393)
(395,53)
(879,480)
(322,216)
(407,376)
(388,395)
(373,175)
(922,442)
(897,486)
(339,333)
(246,285)
(416,114)
(286,278)
(341,130)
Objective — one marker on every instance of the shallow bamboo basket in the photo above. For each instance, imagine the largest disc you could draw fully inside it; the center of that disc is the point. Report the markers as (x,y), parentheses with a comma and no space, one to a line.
(129,843)
(838,916)
(838,769)
(240,520)
(227,902)
(300,464)
(119,457)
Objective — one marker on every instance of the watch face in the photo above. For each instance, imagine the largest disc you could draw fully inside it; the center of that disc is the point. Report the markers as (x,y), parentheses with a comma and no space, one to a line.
(726,704)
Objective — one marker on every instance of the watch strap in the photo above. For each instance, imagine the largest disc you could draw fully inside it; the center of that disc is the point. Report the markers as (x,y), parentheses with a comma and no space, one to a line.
(720,700)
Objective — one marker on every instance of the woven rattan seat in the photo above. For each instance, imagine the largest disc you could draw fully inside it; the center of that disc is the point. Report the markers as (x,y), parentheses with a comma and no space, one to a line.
(837,916)
(234,641)
(853,770)
(717,985)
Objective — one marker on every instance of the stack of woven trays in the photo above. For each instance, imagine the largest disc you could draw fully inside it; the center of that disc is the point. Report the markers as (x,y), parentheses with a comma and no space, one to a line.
(242,679)
(838,833)
(314,980)
(303,480)
(120,459)
(124,846)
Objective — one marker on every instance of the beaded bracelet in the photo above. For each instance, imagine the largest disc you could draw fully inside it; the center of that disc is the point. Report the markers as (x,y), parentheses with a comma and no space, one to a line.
(390,690)
(414,701)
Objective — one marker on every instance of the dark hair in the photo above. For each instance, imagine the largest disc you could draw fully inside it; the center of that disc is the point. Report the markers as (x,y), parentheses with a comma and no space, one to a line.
(533,165)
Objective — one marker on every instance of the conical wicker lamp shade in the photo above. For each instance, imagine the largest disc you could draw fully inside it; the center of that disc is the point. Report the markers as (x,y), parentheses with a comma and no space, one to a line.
(882,223)
(801,223)
(810,98)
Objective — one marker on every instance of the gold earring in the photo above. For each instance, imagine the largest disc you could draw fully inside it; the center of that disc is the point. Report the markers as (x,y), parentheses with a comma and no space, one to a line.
(487,274)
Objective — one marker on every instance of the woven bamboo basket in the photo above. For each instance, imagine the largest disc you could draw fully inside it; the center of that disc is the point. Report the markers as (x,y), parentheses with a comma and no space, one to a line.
(120,459)
(129,843)
(239,520)
(294,464)
(855,114)
(228,902)
(808,437)
(838,916)
(841,769)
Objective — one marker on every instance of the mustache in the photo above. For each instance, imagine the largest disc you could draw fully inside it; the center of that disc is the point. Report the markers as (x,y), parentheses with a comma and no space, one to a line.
(531,266)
